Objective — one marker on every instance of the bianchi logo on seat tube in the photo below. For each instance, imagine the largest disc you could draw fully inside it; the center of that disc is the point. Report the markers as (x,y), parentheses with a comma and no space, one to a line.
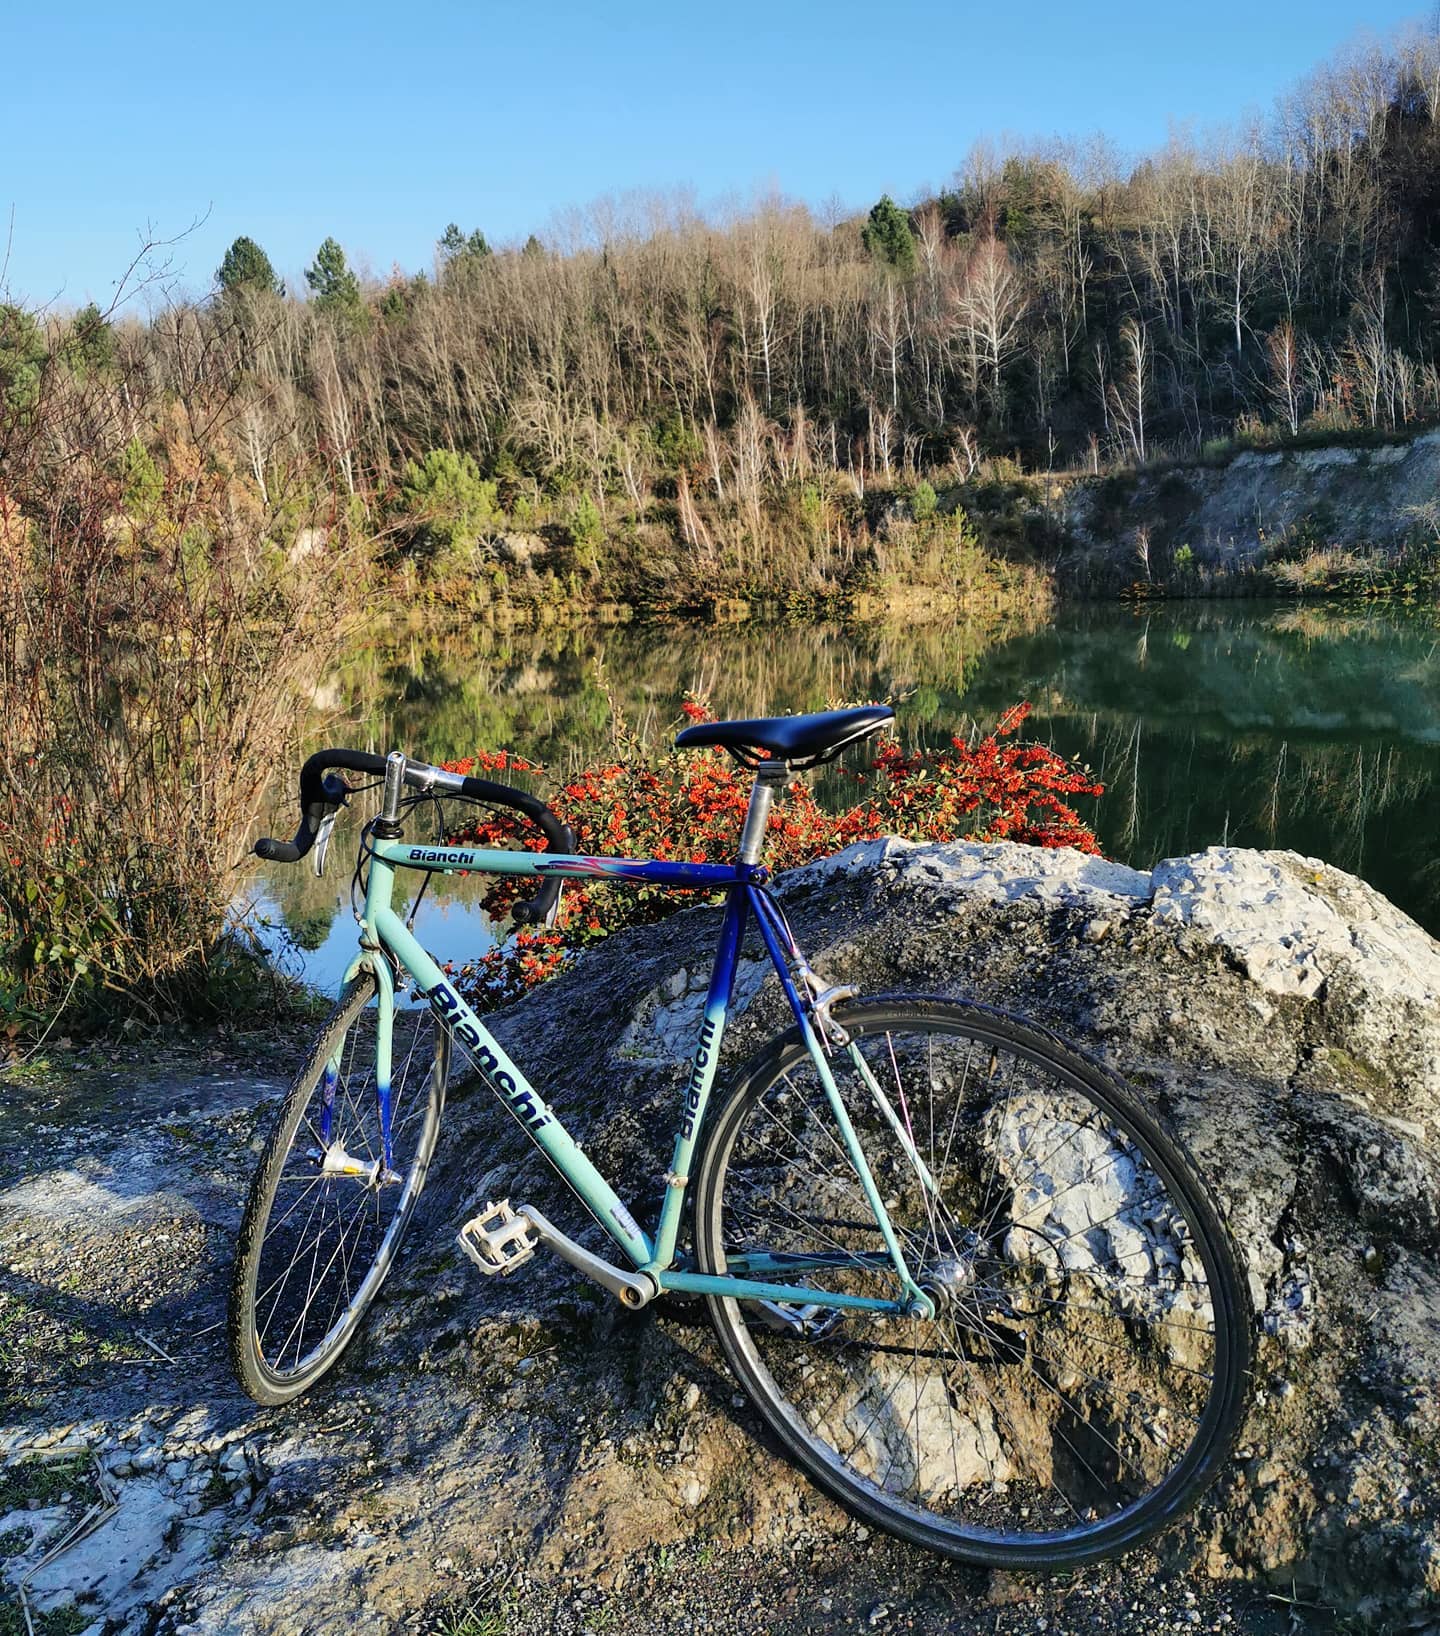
(521,1102)
(697,1079)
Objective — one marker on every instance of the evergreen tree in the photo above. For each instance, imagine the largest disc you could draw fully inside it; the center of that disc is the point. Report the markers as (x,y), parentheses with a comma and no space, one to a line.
(22,359)
(461,257)
(887,235)
(247,267)
(533,247)
(89,343)
(335,287)
(454,245)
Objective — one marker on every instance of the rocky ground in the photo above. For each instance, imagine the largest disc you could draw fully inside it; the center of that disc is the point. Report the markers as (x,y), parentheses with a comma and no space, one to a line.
(524,1457)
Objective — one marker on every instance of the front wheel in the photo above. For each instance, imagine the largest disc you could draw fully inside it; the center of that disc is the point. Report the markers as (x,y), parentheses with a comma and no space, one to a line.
(326,1213)
(1084,1375)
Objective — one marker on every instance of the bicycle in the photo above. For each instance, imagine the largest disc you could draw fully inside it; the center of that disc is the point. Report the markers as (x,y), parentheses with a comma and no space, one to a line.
(977,1293)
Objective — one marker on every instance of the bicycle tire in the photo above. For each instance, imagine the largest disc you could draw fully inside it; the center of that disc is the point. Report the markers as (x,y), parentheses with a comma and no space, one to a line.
(262,1326)
(1018,1403)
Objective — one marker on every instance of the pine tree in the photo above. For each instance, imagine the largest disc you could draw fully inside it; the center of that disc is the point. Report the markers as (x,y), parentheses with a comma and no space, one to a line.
(335,287)
(461,257)
(247,267)
(89,343)
(453,245)
(22,359)
(887,235)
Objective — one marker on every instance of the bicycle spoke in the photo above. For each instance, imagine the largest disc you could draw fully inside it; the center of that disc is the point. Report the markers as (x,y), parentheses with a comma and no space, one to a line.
(325,1233)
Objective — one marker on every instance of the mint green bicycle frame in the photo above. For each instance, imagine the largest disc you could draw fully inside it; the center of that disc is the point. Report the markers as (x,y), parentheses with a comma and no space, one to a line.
(385,932)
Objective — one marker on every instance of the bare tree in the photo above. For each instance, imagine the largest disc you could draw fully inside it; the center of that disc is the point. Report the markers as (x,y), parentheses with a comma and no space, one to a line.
(990,308)
(1128,392)
(1286,375)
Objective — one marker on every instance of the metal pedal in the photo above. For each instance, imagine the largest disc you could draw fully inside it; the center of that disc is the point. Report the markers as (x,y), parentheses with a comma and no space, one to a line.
(498,1240)
(812,1321)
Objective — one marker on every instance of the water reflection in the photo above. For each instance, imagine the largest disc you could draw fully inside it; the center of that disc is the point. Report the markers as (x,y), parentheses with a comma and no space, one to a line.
(1250,725)
(1231,722)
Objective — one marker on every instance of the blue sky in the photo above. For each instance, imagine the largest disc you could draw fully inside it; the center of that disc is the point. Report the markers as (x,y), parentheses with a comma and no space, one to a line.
(379,124)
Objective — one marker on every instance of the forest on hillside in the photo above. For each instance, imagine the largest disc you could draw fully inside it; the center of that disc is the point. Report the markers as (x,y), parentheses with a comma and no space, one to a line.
(660,377)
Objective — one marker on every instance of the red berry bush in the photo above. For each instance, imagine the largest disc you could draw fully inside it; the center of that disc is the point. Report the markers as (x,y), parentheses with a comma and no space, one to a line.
(654,803)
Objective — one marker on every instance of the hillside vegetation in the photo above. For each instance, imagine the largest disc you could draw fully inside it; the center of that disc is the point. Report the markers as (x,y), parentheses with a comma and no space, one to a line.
(669,408)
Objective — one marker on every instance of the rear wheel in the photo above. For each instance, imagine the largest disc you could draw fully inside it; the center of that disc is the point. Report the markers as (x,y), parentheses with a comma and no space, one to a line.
(1084,1375)
(325,1217)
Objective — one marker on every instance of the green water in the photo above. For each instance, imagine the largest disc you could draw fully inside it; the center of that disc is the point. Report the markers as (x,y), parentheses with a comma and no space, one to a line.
(1240,723)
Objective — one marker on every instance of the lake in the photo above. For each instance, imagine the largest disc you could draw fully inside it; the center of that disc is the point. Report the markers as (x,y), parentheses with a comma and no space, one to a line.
(1232,722)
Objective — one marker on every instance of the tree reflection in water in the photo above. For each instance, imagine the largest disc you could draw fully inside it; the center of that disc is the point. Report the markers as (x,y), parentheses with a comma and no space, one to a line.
(1241,723)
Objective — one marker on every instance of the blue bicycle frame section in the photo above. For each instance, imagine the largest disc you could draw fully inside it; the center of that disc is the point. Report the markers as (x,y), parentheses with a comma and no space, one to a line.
(745,895)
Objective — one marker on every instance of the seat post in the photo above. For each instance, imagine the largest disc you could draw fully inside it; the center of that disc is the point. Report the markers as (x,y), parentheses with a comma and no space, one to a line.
(769,776)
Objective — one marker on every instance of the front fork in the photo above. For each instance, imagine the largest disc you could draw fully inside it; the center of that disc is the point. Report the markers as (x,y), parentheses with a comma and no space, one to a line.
(812,1003)
(372,959)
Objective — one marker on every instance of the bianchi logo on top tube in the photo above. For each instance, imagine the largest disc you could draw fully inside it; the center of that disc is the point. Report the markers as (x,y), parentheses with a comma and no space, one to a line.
(521,1102)
(420,854)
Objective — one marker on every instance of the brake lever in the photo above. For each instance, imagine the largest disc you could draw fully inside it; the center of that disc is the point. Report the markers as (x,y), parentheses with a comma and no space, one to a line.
(322,839)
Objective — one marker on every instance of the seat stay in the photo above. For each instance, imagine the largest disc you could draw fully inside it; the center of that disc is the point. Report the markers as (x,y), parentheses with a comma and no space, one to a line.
(781,948)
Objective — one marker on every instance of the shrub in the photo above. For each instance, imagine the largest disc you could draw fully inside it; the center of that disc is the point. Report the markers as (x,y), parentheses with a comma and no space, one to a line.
(152,654)
(923,501)
(447,501)
(142,485)
(587,528)
(689,807)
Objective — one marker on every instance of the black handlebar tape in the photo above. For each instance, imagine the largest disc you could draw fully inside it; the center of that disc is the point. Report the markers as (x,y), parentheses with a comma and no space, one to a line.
(560,836)
(281,851)
(318,794)
(315,786)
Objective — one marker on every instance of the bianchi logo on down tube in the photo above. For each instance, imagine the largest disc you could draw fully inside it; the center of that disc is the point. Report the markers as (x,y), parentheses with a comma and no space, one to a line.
(521,1102)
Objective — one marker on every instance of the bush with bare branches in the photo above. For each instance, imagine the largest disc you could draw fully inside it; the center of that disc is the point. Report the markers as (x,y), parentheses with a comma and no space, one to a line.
(155,636)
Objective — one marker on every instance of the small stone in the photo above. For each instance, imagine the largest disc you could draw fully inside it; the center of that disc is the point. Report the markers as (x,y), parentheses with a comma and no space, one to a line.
(176,1470)
(691,1398)
(692,1493)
